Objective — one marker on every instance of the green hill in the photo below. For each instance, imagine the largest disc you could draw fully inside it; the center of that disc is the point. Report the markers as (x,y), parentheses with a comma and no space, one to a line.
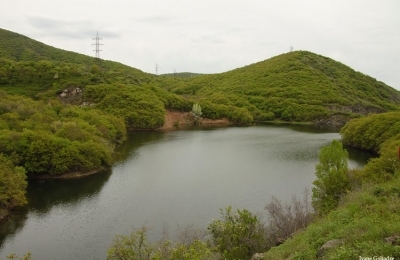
(17,47)
(39,71)
(296,86)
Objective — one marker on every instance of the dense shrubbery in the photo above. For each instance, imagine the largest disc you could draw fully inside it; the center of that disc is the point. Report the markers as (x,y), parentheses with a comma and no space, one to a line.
(371,132)
(13,184)
(378,133)
(139,107)
(51,138)
(48,138)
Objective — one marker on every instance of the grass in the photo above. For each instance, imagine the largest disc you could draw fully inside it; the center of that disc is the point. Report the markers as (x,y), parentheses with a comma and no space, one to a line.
(363,220)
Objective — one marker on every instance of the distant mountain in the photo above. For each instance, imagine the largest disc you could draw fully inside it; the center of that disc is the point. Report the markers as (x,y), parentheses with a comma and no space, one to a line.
(182,75)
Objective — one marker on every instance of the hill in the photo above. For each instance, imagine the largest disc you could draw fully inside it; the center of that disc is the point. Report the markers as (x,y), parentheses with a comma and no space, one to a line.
(39,71)
(295,86)
(17,47)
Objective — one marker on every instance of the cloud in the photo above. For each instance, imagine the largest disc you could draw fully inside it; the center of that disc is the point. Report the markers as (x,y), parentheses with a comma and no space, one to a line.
(154,19)
(71,29)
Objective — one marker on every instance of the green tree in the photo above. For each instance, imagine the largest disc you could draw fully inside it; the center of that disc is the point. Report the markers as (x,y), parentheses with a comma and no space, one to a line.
(332,177)
(13,184)
(135,246)
(27,256)
(238,235)
(198,250)
(196,112)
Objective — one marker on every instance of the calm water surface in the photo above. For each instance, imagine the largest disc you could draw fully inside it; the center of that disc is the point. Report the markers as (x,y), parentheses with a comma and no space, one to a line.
(172,180)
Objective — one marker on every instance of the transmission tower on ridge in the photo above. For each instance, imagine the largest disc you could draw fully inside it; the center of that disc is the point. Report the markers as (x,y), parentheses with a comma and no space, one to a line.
(97,44)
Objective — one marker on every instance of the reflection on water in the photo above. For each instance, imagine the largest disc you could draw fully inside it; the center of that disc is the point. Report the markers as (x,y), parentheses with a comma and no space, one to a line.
(135,140)
(359,156)
(11,225)
(166,179)
(45,194)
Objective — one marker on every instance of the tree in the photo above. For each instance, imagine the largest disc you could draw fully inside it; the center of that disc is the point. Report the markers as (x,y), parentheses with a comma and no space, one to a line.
(137,246)
(27,256)
(134,246)
(196,112)
(332,177)
(238,235)
(13,184)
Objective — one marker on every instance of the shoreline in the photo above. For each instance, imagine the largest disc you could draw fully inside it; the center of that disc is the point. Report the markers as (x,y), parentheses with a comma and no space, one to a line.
(70,175)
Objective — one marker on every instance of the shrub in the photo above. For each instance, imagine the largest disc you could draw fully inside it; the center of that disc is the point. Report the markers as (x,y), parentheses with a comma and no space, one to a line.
(238,235)
(332,177)
(137,246)
(285,219)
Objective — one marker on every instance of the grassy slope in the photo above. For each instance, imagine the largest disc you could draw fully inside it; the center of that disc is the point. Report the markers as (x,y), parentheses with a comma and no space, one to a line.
(294,86)
(363,220)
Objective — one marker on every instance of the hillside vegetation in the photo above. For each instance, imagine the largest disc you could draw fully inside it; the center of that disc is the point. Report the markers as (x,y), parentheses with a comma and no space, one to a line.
(380,134)
(296,86)
(33,69)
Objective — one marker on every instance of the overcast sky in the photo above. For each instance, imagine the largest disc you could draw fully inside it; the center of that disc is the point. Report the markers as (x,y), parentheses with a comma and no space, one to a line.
(212,36)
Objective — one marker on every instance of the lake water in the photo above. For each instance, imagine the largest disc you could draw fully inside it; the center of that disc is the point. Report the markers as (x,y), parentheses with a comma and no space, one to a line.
(166,180)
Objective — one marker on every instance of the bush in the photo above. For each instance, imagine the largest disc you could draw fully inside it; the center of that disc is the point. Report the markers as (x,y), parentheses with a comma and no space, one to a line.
(137,246)
(238,235)
(332,177)
(13,184)
(285,219)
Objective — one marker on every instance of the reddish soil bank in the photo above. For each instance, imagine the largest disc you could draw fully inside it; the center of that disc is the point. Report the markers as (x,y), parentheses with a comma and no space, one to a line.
(174,119)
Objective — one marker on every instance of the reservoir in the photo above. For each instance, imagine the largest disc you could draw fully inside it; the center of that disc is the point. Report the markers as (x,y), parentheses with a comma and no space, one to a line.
(166,181)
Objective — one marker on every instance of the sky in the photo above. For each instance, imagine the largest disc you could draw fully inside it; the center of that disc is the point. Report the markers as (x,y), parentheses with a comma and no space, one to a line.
(214,36)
